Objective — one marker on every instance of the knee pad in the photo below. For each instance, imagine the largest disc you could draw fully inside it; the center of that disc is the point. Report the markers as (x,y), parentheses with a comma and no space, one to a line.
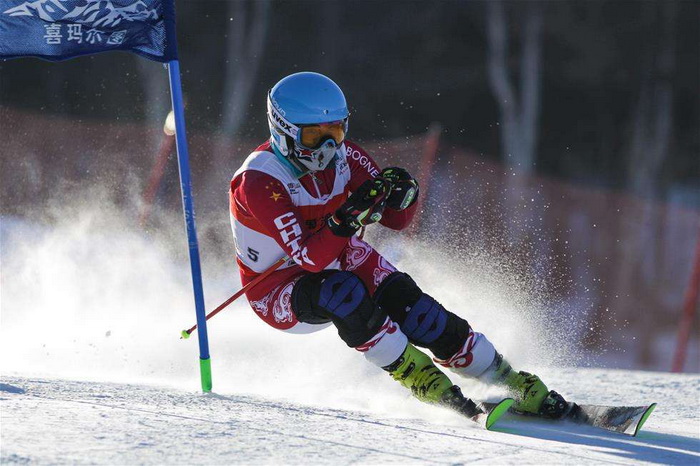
(424,321)
(340,297)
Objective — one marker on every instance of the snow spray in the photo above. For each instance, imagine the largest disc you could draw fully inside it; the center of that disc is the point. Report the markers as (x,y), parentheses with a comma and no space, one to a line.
(87,294)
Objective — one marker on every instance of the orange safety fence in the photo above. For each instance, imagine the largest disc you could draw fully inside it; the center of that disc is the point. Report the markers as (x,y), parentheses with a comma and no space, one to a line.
(623,262)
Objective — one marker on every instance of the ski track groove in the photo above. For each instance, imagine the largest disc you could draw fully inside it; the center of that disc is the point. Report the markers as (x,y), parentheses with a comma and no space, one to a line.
(362,448)
(407,428)
(325,441)
(149,429)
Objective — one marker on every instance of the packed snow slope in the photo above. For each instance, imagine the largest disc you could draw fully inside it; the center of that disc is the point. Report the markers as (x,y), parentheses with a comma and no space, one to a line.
(48,421)
(93,370)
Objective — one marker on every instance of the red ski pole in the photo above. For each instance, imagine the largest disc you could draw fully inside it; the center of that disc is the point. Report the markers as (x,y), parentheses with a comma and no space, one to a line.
(186,333)
(690,306)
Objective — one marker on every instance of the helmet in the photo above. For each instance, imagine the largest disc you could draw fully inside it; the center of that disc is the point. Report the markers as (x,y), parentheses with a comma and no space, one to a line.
(308,119)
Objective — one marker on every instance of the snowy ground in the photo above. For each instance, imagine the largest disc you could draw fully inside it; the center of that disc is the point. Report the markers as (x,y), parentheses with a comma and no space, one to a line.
(58,421)
(93,370)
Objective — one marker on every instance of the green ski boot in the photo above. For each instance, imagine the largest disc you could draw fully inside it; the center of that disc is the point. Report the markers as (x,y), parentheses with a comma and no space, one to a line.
(416,371)
(531,394)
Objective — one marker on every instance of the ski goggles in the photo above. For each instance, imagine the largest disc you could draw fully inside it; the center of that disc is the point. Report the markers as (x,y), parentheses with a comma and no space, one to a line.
(312,136)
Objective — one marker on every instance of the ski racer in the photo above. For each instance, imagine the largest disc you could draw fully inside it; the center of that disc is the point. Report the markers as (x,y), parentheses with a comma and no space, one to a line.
(305,194)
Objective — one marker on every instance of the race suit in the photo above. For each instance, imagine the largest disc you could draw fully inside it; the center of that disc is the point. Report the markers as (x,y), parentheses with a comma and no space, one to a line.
(275,214)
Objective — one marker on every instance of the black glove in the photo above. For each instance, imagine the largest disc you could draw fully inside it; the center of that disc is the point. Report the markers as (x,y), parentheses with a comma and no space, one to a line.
(363,207)
(404,188)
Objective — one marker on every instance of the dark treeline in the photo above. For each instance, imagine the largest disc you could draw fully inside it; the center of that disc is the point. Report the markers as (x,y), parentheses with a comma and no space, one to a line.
(599,92)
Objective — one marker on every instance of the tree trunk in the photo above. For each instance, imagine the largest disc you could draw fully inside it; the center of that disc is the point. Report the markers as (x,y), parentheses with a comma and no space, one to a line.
(245,45)
(649,146)
(520,114)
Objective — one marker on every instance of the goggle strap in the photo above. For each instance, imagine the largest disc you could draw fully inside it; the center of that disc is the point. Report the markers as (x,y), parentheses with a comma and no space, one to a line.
(289,129)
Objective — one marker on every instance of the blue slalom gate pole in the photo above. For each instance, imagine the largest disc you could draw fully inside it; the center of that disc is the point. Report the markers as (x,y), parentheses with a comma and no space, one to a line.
(183,161)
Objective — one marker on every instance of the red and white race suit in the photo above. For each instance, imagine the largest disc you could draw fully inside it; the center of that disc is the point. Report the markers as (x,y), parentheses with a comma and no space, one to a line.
(275,214)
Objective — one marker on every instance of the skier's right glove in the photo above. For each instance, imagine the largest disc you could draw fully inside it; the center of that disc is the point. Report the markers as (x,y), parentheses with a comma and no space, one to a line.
(404,188)
(363,207)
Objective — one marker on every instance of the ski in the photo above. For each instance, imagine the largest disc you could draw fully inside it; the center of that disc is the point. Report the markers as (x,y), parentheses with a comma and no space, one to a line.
(486,415)
(621,419)
(492,413)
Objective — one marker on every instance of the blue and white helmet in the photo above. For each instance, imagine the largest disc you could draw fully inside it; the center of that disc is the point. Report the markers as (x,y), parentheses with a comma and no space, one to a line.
(308,118)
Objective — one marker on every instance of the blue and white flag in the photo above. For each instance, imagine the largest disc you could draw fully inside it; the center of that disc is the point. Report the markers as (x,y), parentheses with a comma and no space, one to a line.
(61,29)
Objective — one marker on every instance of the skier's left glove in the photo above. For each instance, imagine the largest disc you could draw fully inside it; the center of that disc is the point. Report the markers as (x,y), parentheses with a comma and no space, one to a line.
(404,188)
(363,207)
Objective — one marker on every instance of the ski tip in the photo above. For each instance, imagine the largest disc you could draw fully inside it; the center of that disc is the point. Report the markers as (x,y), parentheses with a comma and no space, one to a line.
(644,418)
(497,411)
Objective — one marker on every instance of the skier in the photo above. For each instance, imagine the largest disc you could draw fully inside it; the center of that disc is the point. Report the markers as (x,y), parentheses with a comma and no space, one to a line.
(305,194)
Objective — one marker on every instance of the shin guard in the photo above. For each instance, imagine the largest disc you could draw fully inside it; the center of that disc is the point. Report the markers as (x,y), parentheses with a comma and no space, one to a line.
(425,321)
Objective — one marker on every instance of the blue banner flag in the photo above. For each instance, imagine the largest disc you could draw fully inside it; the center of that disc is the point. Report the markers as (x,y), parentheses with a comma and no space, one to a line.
(61,29)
